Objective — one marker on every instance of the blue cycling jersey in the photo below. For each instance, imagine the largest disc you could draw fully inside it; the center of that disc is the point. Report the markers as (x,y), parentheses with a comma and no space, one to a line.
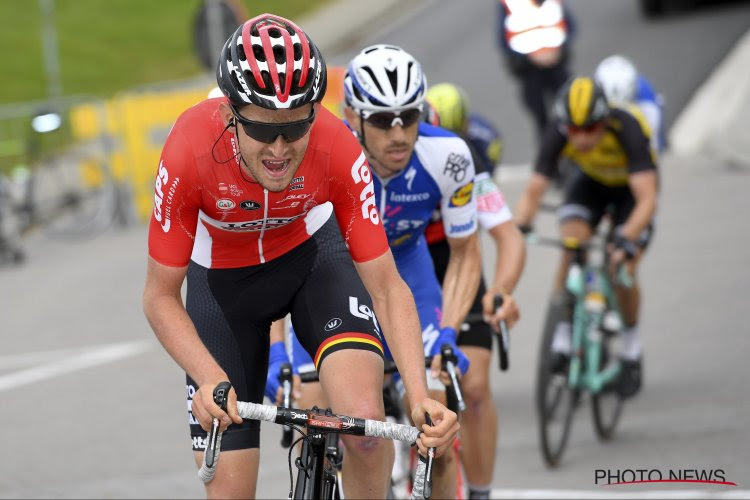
(440,173)
(652,105)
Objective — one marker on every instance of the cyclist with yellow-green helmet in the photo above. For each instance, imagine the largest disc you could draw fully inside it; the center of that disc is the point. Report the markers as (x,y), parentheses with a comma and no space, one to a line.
(479,432)
(615,167)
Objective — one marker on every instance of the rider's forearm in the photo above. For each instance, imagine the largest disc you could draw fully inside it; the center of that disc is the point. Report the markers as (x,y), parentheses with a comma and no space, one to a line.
(511,256)
(529,202)
(639,218)
(397,315)
(176,332)
(461,280)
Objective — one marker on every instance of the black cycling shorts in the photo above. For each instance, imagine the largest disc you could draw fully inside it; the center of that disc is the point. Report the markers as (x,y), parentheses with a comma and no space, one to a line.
(474,331)
(589,200)
(232,309)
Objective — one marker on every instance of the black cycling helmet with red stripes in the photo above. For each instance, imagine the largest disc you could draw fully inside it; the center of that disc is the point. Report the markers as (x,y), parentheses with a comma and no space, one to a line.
(270,62)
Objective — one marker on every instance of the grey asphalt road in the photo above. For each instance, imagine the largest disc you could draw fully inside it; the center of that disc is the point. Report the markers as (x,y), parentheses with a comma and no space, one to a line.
(93,407)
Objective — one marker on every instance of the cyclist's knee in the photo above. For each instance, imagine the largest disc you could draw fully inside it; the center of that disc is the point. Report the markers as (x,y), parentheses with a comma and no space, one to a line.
(476,391)
(364,447)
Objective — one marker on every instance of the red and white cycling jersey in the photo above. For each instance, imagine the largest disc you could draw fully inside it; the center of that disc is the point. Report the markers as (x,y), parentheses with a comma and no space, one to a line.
(215,214)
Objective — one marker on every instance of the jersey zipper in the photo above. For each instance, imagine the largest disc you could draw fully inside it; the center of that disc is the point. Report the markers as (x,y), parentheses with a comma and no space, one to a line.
(263,227)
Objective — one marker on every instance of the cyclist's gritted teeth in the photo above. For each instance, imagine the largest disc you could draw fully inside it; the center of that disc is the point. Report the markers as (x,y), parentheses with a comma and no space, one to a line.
(276,168)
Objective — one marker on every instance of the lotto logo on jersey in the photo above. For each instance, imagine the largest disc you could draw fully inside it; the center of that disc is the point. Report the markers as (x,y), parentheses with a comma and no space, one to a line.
(462,195)
(361,173)
(163,197)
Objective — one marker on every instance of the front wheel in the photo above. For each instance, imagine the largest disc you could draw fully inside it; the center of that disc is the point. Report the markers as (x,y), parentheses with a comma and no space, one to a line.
(606,405)
(556,400)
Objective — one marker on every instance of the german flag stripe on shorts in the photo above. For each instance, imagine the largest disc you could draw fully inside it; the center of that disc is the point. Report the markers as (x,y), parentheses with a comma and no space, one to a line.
(348,340)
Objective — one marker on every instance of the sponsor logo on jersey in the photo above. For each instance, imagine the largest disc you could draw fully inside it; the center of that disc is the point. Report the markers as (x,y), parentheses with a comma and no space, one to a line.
(408,198)
(363,311)
(400,240)
(249,205)
(199,443)
(163,198)
(459,228)
(225,204)
(490,202)
(456,166)
(293,204)
(462,195)
(298,180)
(256,225)
(300,196)
(361,174)
(333,324)
(297,186)
(410,175)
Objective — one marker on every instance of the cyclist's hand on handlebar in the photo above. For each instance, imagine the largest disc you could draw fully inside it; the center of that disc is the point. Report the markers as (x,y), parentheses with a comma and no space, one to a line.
(296,391)
(443,430)
(447,335)
(204,409)
(508,312)
(277,356)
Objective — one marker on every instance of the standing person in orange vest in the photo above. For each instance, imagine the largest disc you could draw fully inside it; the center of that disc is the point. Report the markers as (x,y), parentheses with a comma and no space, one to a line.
(535,38)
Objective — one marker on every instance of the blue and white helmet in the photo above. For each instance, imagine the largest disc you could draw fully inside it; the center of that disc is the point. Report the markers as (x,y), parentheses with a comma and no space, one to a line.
(618,77)
(384,78)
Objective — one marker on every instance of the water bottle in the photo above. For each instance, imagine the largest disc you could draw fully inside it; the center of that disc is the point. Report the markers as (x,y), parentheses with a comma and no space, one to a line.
(574,281)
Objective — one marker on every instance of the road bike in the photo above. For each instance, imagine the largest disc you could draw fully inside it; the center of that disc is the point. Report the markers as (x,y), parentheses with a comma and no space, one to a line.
(589,299)
(317,478)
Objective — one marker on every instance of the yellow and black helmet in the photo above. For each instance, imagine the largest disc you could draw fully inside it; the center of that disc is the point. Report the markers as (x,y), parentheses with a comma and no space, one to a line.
(451,104)
(581,102)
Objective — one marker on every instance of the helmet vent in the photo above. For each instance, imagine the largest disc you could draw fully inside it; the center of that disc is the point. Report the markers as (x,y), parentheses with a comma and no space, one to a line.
(278,54)
(296,89)
(297,51)
(274,33)
(408,73)
(369,71)
(393,79)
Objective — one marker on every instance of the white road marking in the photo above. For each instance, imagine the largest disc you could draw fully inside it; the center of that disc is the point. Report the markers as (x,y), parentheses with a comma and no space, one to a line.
(586,494)
(55,363)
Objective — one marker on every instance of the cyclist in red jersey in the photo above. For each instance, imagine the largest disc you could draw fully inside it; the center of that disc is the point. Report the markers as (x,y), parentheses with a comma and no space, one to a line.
(245,197)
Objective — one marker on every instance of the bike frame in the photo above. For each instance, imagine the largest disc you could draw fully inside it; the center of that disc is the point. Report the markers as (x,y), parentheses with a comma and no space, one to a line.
(592,288)
(318,463)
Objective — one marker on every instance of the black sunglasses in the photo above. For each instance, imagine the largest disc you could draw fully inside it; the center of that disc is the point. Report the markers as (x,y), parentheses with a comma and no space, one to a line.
(268,132)
(385,120)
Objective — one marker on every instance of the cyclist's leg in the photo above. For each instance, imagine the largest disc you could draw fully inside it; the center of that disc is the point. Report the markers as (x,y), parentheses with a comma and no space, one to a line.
(479,421)
(232,310)
(311,393)
(333,319)
(580,212)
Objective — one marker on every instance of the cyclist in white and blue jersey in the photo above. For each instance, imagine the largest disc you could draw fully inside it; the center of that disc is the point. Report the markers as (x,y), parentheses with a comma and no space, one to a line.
(622,83)
(416,167)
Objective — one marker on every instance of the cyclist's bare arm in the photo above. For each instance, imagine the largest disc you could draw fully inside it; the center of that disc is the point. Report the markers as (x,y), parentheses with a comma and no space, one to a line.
(529,202)
(162,304)
(644,186)
(511,257)
(397,315)
(461,279)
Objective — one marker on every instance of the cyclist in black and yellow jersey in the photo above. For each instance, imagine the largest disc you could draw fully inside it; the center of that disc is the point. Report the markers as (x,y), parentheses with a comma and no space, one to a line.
(616,168)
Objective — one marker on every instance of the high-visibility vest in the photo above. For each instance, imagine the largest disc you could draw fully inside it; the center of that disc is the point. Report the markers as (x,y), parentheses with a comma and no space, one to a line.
(532,28)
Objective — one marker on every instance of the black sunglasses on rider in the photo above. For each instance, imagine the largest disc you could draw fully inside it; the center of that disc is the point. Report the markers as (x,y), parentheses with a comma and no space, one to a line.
(385,120)
(268,132)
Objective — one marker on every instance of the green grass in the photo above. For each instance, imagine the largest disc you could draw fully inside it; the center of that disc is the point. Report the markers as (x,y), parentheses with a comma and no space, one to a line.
(108,45)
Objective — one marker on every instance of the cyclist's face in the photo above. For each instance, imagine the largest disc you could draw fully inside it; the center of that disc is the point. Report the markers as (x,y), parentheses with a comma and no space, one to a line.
(585,139)
(388,149)
(273,164)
